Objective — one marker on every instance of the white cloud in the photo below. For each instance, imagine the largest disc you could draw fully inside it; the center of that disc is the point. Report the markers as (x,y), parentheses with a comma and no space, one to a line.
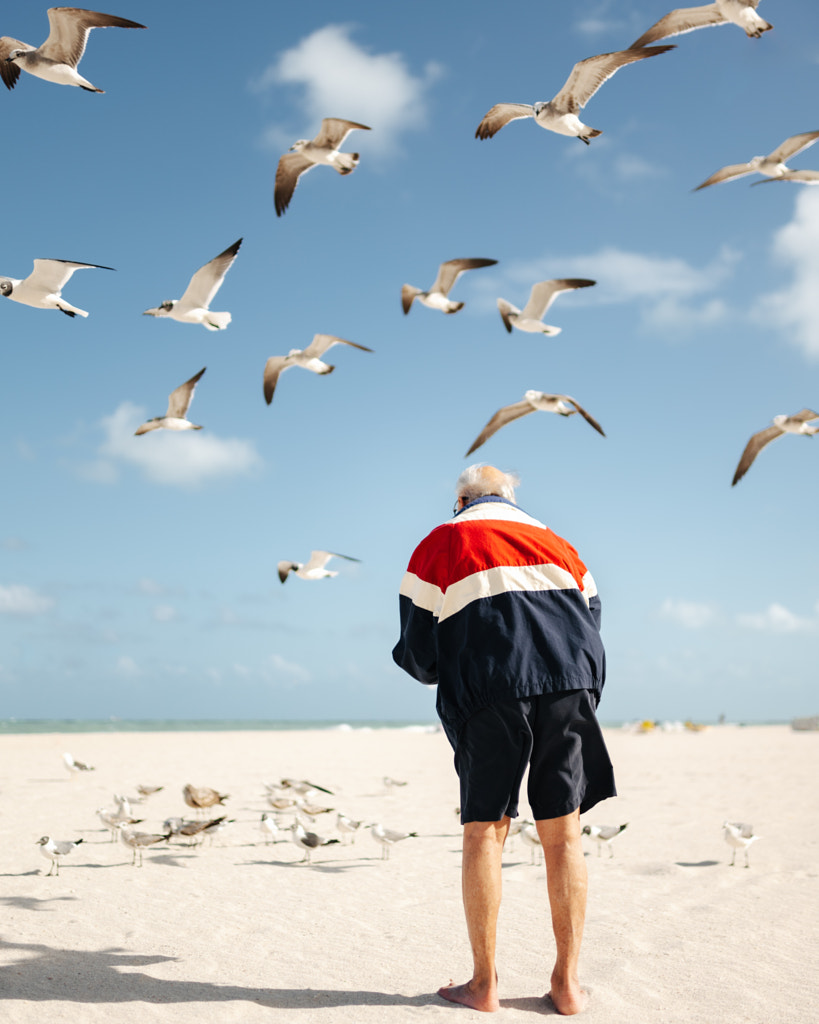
(778,619)
(165,613)
(342,79)
(795,308)
(295,673)
(167,457)
(18,599)
(126,666)
(688,613)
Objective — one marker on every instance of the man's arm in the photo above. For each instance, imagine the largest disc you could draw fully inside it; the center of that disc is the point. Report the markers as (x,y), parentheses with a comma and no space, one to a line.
(417,650)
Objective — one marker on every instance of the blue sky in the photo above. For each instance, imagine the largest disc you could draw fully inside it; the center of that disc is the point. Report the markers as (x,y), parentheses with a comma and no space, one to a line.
(138,574)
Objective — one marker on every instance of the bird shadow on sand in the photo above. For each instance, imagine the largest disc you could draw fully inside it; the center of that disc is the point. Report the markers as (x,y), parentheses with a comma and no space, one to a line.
(697,863)
(43,974)
(34,902)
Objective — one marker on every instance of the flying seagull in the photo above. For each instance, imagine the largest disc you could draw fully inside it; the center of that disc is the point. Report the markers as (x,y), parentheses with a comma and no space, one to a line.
(603,834)
(799,423)
(43,286)
(306,154)
(436,297)
(308,358)
(57,58)
(314,569)
(55,849)
(179,402)
(722,12)
(773,165)
(533,401)
(739,836)
(560,113)
(194,306)
(543,294)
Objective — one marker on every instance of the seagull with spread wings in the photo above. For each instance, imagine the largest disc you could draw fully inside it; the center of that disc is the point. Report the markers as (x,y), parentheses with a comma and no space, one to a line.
(194,306)
(305,154)
(799,423)
(314,569)
(178,404)
(543,294)
(57,58)
(722,12)
(437,296)
(533,401)
(308,358)
(772,166)
(43,286)
(560,113)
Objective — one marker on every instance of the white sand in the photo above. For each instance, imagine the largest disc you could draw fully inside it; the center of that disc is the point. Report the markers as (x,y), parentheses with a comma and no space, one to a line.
(240,931)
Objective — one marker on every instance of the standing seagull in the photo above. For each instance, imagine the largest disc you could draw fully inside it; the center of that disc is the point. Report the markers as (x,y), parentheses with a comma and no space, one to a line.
(76,766)
(306,154)
(722,12)
(314,569)
(387,838)
(533,401)
(436,297)
(603,834)
(739,836)
(773,165)
(543,294)
(799,423)
(179,402)
(55,850)
(202,797)
(307,841)
(57,58)
(43,286)
(308,358)
(560,114)
(194,306)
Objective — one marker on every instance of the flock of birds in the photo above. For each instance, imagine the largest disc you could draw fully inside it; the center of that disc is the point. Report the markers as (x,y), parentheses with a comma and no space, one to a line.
(56,60)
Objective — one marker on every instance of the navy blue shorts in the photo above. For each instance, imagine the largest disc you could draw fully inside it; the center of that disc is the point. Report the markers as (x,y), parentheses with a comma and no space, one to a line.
(556,735)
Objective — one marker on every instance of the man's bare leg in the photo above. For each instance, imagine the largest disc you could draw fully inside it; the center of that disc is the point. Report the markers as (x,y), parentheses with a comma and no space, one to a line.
(481,880)
(567,883)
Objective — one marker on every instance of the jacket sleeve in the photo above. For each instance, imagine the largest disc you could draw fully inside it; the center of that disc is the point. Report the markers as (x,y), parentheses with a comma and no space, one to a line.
(416,651)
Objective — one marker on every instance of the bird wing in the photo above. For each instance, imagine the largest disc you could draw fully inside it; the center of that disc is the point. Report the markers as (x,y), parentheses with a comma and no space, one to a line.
(544,293)
(793,145)
(318,560)
(334,130)
(685,19)
(726,174)
(52,275)
(449,272)
(207,280)
(180,399)
(290,169)
(500,419)
(589,419)
(753,448)
(322,342)
(285,568)
(10,72)
(273,368)
(69,32)
(500,115)
(588,75)
(790,176)
(804,416)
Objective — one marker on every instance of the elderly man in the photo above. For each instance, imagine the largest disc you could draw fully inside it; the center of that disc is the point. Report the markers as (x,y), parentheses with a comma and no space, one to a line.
(503,615)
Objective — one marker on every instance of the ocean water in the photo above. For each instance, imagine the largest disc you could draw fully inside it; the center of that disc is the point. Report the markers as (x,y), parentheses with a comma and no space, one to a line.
(114,725)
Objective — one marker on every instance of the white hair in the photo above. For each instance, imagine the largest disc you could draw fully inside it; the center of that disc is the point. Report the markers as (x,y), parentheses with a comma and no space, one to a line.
(480,480)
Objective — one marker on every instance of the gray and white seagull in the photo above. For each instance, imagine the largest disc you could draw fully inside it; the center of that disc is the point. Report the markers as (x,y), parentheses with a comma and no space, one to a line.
(722,12)
(543,294)
(308,358)
(799,423)
(194,306)
(305,154)
(57,58)
(437,296)
(772,166)
(43,286)
(533,401)
(314,569)
(560,113)
(179,402)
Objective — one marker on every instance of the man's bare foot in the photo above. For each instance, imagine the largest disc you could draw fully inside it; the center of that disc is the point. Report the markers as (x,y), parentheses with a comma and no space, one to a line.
(477,997)
(567,999)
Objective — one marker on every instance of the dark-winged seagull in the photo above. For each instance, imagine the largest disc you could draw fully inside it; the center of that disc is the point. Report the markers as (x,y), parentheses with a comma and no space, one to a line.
(179,402)
(57,58)
(773,165)
(560,113)
(55,849)
(387,838)
(306,154)
(308,358)
(43,286)
(194,306)
(799,423)
(139,841)
(722,12)
(436,297)
(533,401)
(543,294)
(307,841)
(314,569)
(76,766)
(603,834)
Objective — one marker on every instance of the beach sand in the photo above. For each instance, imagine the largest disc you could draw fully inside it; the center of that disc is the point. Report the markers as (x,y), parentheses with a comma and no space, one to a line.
(241,931)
